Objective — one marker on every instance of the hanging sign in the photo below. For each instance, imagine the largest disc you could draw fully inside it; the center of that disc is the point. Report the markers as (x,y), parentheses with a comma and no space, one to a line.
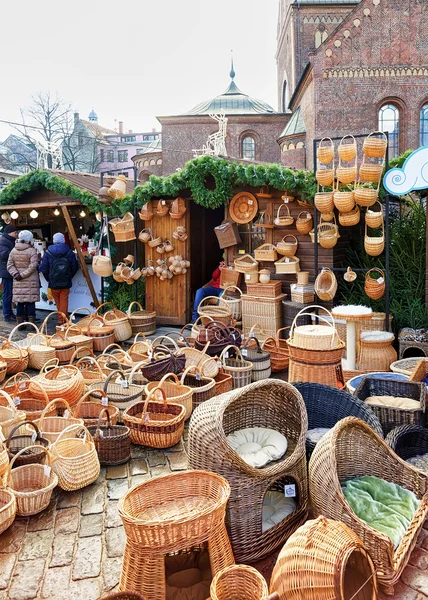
(412,176)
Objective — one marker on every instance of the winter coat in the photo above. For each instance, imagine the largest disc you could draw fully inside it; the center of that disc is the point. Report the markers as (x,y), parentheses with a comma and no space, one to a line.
(56,251)
(7,244)
(23,260)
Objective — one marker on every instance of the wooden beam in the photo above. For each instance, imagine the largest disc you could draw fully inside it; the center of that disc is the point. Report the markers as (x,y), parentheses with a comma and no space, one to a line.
(84,266)
(51,204)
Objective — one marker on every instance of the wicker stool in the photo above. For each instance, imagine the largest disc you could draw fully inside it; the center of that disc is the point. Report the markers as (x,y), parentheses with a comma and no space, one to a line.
(376,351)
(273,404)
(170,515)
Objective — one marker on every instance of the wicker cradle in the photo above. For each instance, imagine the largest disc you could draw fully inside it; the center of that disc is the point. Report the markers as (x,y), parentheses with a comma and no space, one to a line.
(324,560)
(353,449)
(167,515)
(273,404)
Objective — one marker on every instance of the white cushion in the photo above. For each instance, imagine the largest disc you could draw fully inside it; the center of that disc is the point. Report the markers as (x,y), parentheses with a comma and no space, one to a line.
(393,401)
(276,507)
(258,446)
(314,435)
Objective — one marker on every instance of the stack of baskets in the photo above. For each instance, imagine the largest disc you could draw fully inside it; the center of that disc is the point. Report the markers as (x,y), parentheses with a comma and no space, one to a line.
(248,265)
(264,312)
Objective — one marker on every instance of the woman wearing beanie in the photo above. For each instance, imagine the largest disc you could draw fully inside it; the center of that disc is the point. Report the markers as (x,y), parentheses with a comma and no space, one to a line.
(59,266)
(22,265)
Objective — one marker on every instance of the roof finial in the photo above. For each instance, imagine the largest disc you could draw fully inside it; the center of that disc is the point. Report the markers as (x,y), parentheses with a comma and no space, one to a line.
(232,70)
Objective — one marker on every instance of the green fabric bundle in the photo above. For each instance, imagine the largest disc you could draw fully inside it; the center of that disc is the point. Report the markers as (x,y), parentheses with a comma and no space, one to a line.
(385,506)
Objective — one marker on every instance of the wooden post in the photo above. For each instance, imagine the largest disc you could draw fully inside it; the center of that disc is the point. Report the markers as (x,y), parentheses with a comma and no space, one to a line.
(84,266)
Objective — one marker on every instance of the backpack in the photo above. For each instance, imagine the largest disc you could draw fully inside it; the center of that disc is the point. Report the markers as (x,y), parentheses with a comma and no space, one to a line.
(59,273)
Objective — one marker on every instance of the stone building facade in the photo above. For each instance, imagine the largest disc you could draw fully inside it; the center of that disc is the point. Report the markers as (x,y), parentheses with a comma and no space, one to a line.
(369,72)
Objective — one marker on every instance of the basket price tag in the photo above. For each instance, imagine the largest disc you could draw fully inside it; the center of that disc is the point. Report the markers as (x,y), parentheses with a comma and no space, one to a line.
(22,386)
(181,338)
(17,400)
(150,355)
(124,383)
(198,376)
(163,202)
(247,277)
(250,202)
(34,436)
(219,364)
(104,401)
(252,334)
(381,280)
(2,438)
(290,490)
(244,352)
(73,317)
(101,433)
(287,260)
(293,286)
(66,413)
(46,470)
(147,417)
(226,355)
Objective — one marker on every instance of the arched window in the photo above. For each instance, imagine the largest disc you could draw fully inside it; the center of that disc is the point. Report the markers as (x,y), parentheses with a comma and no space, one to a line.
(389,120)
(320,35)
(424,125)
(249,148)
(284,97)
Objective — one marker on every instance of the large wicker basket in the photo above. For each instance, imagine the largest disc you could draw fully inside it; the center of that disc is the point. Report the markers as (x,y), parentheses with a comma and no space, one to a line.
(142,321)
(239,581)
(174,391)
(64,382)
(239,368)
(353,449)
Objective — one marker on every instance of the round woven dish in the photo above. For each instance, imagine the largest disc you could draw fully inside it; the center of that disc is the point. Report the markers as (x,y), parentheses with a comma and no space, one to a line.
(243,207)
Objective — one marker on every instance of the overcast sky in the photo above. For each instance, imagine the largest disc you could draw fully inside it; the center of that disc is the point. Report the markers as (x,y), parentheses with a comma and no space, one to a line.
(132,61)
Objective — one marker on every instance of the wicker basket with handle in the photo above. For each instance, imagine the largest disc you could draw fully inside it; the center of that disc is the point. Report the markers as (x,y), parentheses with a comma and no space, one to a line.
(227,234)
(20,387)
(142,321)
(7,509)
(283,220)
(51,426)
(90,411)
(265,252)
(374,245)
(16,358)
(20,439)
(344,201)
(203,387)
(325,176)
(324,202)
(119,321)
(36,344)
(351,218)
(174,391)
(374,287)
(4,457)
(304,222)
(123,229)
(223,382)
(287,246)
(9,415)
(74,334)
(112,442)
(102,335)
(325,153)
(239,581)
(120,394)
(287,264)
(374,218)
(238,367)
(32,485)
(146,212)
(234,302)
(84,321)
(246,264)
(347,151)
(90,369)
(60,382)
(259,357)
(314,337)
(278,350)
(375,147)
(326,285)
(220,311)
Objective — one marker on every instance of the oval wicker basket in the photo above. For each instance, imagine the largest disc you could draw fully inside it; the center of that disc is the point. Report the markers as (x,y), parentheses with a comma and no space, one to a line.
(324,202)
(287,248)
(239,581)
(375,288)
(220,311)
(326,285)
(324,560)
(174,391)
(314,337)
(51,426)
(370,173)
(351,218)
(365,196)
(304,222)
(346,175)
(325,153)
(142,321)
(246,264)
(278,350)
(344,201)
(234,302)
(238,367)
(374,219)
(325,176)
(375,147)
(9,415)
(15,357)
(374,245)
(117,319)
(7,509)
(22,439)
(64,382)
(347,152)
(146,212)
(283,220)
(328,234)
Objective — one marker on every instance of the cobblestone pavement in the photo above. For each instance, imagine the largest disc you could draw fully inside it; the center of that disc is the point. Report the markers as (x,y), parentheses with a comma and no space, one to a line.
(73,550)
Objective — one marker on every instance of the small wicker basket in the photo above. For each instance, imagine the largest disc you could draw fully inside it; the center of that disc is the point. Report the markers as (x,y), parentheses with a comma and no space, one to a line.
(375,147)
(324,202)
(325,154)
(351,218)
(344,201)
(375,287)
(283,220)
(304,222)
(374,245)
(374,219)
(347,151)
(326,285)
(287,246)
(325,176)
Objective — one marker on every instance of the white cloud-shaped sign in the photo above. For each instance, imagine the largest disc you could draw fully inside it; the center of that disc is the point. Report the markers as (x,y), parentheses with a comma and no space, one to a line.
(413,175)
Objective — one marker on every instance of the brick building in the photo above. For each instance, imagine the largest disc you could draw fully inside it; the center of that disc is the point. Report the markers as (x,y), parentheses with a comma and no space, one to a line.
(252,130)
(352,67)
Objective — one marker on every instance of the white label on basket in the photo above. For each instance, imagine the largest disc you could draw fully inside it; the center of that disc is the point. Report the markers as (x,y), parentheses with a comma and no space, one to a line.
(293,286)
(219,364)
(124,383)
(22,386)
(250,202)
(150,355)
(101,433)
(380,280)
(251,334)
(62,328)
(17,400)
(84,438)
(104,401)
(66,413)
(2,438)
(247,277)
(34,436)
(46,470)
(181,338)
(290,490)
(285,200)
(198,377)
(147,417)
(73,317)
(244,352)
(226,355)
(163,202)
(287,259)
(242,336)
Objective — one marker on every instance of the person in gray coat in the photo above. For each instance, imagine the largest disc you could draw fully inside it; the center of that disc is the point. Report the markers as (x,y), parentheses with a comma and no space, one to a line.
(22,265)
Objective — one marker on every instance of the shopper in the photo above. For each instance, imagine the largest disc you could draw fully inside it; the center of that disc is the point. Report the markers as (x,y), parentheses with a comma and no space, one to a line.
(59,266)
(7,244)
(212,289)
(22,266)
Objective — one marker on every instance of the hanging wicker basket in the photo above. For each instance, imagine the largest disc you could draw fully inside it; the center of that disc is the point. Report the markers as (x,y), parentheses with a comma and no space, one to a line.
(287,264)
(326,285)
(266,252)
(246,264)
(375,147)
(370,173)
(146,212)
(351,218)
(283,220)
(344,201)
(178,209)
(325,153)
(162,208)
(243,207)
(374,219)
(324,202)
(365,196)
(374,287)
(123,229)
(289,247)
(374,245)
(347,151)
(325,176)
(304,222)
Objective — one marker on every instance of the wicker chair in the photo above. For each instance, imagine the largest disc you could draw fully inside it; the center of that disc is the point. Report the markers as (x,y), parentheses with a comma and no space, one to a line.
(352,449)
(326,406)
(408,441)
(269,403)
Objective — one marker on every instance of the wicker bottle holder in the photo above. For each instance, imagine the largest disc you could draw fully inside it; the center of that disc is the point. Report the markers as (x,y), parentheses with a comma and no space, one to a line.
(326,285)
(304,222)
(324,202)
(374,219)
(347,151)
(374,245)
(351,218)
(374,287)
(324,560)
(325,154)
(287,246)
(375,147)
(283,220)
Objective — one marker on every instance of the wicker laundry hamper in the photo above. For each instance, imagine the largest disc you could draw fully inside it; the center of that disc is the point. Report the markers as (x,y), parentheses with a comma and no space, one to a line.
(353,449)
(270,403)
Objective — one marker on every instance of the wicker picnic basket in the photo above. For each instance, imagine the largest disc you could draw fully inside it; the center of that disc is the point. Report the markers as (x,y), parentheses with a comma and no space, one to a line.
(304,222)
(74,459)
(102,335)
(347,151)
(375,147)
(7,509)
(16,358)
(238,367)
(64,349)
(351,218)
(374,218)
(278,350)
(203,386)
(31,484)
(283,220)
(239,581)
(324,202)
(352,449)
(9,415)
(325,154)
(64,382)
(374,287)
(220,311)
(344,201)
(234,301)
(24,438)
(74,334)
(142,321)
(90,411)
(372,245)
(314,337)
(246,264)
(324,560)
(259,357)
(20,387)
(326,285)
(174,391)
(287,264)
(112,442)
(287,248)
(156,424)
(51,426)
(119,321)
(123,229)
(146,212)
(121,394)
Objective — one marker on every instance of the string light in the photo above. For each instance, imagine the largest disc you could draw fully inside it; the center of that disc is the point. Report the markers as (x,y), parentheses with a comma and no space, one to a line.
(83,214)
(56,212)
(14,214)
(34,214)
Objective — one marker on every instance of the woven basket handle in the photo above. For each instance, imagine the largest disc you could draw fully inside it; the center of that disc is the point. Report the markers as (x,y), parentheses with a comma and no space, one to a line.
(9,400)
(76,409)
(76,353)
(149,396)
(115,346)
(44,325)
(202,366)
(129,311)
(232,287)
(112,316)
(237,350)
(15,380)
(289,235)
(93,361)
(219,301)
(252,339)
(375,270)
(78,428)
(40,387)
(97,311)
(97,432)
(203,353)
(107,381)
(73,314)
(143,336)
(279,210)
(15,329)
(164,337)
(96,319)
(381,133)
(195,324)
(304,312)
(49,365)
(50,405)
(167,376)
(277,338)
(135,368)
(31,423)
(22,452)
(191,368)
(76,328)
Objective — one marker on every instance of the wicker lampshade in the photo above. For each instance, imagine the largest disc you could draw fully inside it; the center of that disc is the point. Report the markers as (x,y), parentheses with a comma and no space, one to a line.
(118,189)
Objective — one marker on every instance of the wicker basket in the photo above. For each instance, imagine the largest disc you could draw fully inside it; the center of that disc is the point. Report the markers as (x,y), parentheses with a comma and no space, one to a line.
(234,302)
(374,245)
(122,395)
(325,176)
(324,560)
(90,370)
(246,264)
(324,202)
(74,459)
(7,509)
(239,581)
(4,457)
(347,151)
(376,352)
(243,207)
(220,311)
(32,485)
(328,233)
(344,201)
(346,175)
(20,387)
(51,426)
(203,387)
(174,391)
(371,173)
(326,285)
(238,367)
(155,424)
(325,153)
(304,222)
(266,252)
(374,219)
(314,337)
(365,196)
(141,348)
(351,218)
(283,220)
(287,248)
(90,411)
(270,290)
(374,288)
(178,208)
(101,334)
(142,321)
(123,229)
(263,313)
(60,382)
(112,442)
(227,234)
(353,449)
(16,358)
(9,415)
(375,147)
(287,264)
(119,321)
(229,276)
(25,440)
(259,357)
(278,350)
(408,441)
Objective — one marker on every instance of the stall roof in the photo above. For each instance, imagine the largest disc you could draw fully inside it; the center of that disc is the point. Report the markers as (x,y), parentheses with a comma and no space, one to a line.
(87,181)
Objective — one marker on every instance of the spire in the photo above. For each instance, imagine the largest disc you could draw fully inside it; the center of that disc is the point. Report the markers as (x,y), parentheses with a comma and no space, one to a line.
(232,70)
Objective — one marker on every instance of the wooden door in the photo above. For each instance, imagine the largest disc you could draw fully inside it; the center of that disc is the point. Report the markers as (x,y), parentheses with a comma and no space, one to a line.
(169,299)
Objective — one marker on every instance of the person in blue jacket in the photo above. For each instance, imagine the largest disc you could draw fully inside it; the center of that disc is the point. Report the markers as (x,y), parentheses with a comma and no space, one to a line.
(59,266)
(7,244)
